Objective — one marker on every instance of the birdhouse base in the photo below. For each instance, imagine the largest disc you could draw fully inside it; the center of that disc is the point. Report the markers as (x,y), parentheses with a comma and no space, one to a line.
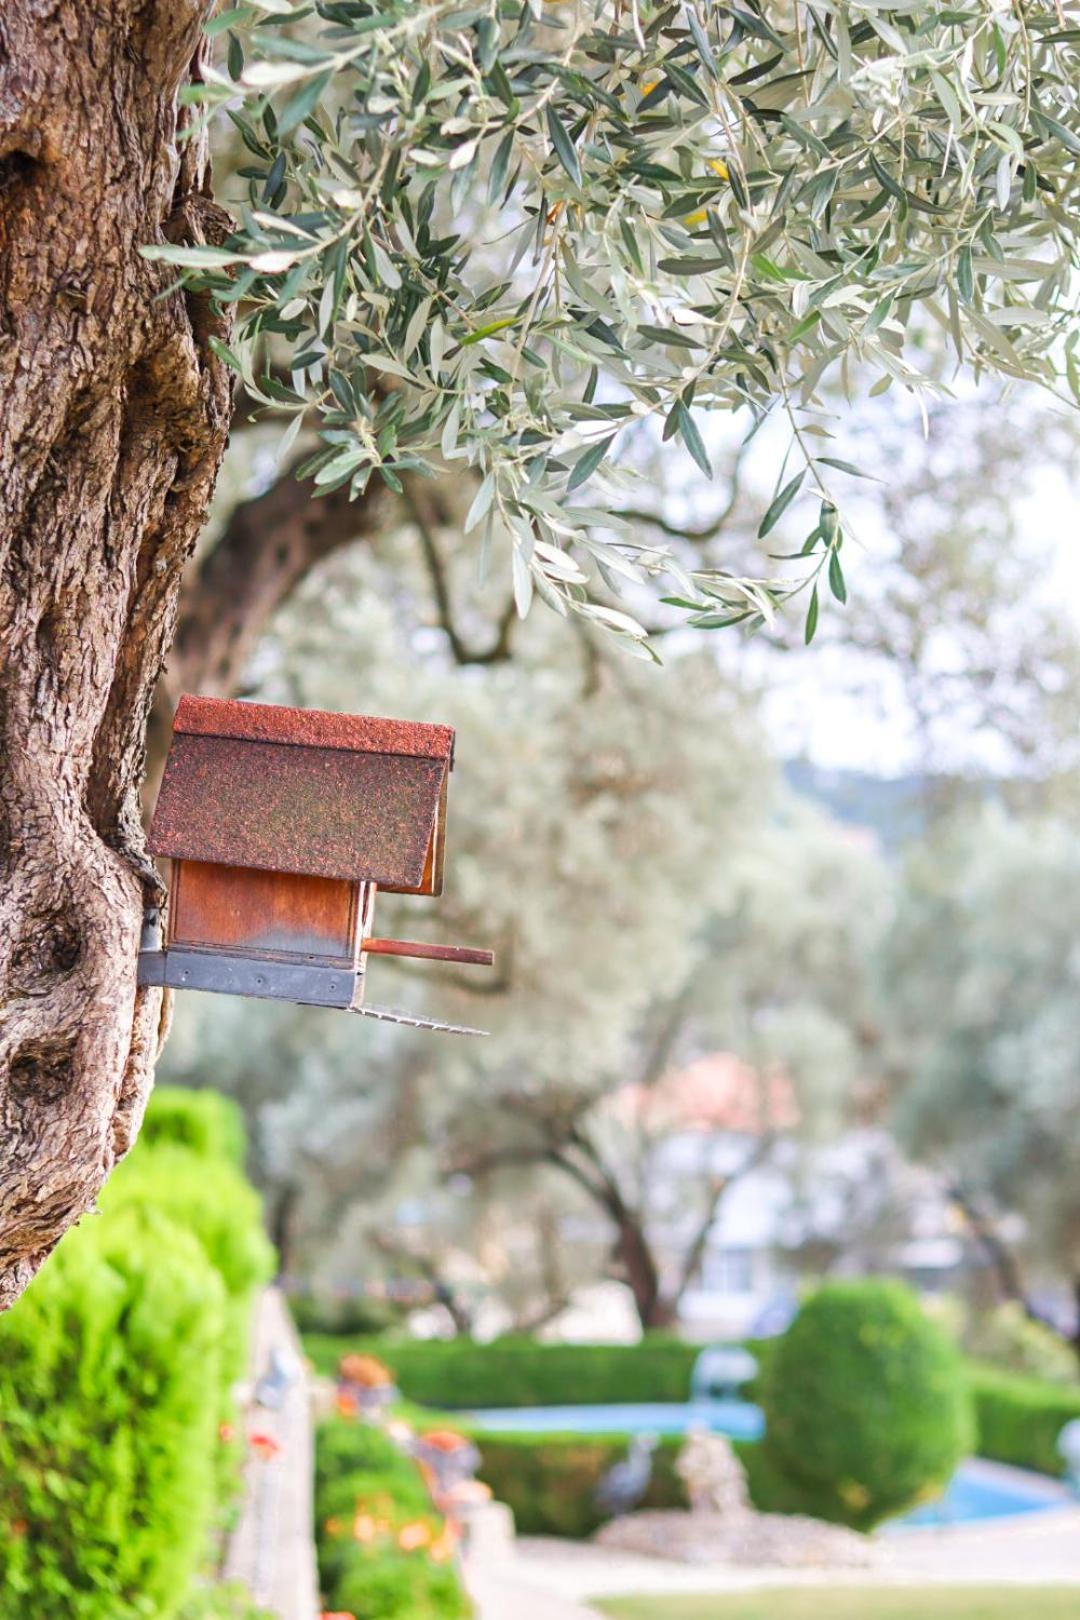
(313,984)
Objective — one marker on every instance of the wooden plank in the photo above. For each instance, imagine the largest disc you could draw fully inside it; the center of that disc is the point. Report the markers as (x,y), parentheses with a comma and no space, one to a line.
(433,953)
(246,909)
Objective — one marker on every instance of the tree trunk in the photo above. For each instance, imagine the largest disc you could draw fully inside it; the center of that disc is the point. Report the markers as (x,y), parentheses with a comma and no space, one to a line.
(113,420)
(638,1266)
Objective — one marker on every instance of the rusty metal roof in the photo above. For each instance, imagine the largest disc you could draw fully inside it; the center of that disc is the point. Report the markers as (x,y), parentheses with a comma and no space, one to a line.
(301,791)
(312,728)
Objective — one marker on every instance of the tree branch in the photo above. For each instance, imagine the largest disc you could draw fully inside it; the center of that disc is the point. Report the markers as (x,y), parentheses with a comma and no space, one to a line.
(498,649)
(267,547)
(1003,1262)
(721,1184)
(426,1266)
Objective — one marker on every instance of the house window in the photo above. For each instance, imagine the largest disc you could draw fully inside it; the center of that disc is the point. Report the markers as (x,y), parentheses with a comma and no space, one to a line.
(729,1271)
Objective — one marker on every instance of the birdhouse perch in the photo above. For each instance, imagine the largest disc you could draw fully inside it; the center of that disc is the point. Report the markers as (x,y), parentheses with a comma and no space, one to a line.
(280,826)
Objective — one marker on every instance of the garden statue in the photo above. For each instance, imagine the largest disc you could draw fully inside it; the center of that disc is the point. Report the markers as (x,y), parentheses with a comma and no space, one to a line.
(724,1527)
(274,1384)
(364,1385)
(713,1475)
(625,1483)
(447,1461)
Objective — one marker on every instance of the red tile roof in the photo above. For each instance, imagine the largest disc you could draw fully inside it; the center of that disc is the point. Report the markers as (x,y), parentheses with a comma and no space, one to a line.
(291,790)
(312,728)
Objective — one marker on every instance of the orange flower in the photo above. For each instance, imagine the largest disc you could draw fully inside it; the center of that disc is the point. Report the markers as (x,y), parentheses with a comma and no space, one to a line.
(413,1536)
(263,1445)
(443,1440)
(364,1527)
(346,1404)
(19,1527)
(226,1433)
(442,1548)
(333,1527)
(365,1371)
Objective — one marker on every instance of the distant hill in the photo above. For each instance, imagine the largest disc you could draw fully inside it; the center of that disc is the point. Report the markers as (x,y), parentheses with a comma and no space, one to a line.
(890,806)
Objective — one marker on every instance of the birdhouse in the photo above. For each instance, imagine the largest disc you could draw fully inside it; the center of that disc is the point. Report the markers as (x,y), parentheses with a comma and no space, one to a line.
(280,826)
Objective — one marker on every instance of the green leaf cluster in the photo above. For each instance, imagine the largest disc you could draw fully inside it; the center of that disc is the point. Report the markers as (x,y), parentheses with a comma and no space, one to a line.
(511,234)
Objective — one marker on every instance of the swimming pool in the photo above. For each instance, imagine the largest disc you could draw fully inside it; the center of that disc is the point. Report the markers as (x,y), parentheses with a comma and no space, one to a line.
(978,1490)
(742,1420)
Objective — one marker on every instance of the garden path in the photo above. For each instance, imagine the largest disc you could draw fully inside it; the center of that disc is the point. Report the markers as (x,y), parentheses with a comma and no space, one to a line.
(272,1549)
(547,1579)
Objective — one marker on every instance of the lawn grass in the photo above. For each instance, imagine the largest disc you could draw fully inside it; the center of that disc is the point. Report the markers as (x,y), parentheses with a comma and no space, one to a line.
(859,1603)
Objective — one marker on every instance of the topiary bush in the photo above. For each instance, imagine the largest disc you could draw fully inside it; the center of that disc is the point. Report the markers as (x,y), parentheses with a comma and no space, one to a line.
(866,1405)
(206,1122)
(109,1391)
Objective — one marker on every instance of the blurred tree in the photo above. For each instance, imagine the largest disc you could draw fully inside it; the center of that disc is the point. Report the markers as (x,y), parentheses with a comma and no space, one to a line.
(780,977)
(981,1005)
(966,630)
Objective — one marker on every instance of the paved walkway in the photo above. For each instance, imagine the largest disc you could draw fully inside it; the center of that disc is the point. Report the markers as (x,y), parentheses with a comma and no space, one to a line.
(546,1579)
(272,1548)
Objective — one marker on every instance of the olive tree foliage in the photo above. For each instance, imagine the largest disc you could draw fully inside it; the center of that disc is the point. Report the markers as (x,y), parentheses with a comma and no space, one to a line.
(983,972)
(518,237)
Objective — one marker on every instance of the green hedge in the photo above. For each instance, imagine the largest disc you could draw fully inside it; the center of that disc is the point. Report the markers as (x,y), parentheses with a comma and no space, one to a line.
(550,1480)
(115,1370)
(109,1401)
(359,1471)
(1019,1418)
(459,1373)
(210,1198)
(204,1121)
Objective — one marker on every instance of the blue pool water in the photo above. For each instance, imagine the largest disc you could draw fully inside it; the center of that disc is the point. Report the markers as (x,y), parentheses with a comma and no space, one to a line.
(978,1490)
(739,1419)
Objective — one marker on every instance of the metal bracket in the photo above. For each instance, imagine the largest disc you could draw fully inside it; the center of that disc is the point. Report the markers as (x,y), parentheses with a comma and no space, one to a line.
(309,983)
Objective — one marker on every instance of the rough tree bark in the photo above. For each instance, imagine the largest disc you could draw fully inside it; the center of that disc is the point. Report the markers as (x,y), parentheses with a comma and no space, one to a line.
(113,419)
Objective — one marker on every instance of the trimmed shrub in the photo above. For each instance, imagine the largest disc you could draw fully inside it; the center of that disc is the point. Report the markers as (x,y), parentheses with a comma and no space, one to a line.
(866,1406)
(460,1373)
(361,1475)
(401,1586)
(550,1480)
(109,1390)
(219,1206)
(1019,1418)
(206,1122)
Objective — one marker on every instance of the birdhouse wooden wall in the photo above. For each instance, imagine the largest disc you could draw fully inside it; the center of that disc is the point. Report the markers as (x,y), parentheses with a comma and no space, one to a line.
(283,913)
